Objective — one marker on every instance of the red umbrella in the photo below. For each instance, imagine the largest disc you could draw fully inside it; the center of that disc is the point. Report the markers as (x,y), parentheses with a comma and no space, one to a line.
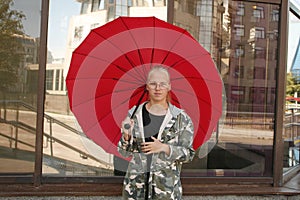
(290,98)
(107,76)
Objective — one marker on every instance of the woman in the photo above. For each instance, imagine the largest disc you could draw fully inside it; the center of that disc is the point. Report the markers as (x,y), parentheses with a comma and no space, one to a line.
(159,140)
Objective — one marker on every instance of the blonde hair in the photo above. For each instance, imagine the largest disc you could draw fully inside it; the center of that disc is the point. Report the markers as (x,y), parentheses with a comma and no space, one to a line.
(158,68)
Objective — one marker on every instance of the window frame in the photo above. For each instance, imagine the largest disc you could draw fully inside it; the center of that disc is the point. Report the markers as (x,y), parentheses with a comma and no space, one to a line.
(39,184)
(258,12)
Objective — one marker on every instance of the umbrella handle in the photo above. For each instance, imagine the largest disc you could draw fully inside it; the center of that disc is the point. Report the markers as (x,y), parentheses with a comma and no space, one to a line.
(127,126)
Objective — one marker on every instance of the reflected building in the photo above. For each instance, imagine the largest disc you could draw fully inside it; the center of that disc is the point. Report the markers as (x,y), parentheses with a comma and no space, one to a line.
(27,86)
(28,76)
(251,79)
(27,54)
(244,50)
(203,20)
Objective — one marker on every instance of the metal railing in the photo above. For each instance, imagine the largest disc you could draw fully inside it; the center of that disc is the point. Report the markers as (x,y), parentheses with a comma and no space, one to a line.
(291,129)
(18,106)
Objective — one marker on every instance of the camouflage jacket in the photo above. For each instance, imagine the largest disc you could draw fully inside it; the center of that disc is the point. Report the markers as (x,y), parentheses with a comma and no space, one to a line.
(164,180)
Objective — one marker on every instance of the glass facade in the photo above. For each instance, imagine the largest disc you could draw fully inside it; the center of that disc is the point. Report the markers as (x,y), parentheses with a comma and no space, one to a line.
(291,135)
(19,51)
(241,36)
(242,39)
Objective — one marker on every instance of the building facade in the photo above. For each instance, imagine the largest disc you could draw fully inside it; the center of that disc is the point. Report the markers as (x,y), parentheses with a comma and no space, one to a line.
(42,144)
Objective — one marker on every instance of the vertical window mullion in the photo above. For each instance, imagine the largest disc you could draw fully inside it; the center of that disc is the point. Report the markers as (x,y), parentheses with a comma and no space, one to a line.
(41,94)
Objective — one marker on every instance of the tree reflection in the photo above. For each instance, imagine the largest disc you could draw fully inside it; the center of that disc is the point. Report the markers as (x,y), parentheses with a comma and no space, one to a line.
(10,46)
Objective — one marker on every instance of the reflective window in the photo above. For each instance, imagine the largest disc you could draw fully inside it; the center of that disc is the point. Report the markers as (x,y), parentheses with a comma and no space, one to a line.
(239,72)
(84,7)
(275,15)
(245,54)
(19,56)
(258,12)
(239,30)
(242,38)
(66,150)
(97,5)
(121,8)
(49,80)
(240,51)
(260,52)
(257,32)
(244,51)
(292,131)
(240,9)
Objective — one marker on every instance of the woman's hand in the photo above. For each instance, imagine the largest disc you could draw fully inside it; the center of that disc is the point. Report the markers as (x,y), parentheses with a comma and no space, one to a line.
(155,147)
(127,126)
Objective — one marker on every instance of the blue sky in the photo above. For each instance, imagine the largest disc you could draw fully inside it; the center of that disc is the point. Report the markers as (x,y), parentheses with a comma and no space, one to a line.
(59,16)
(32,11)
(60,12)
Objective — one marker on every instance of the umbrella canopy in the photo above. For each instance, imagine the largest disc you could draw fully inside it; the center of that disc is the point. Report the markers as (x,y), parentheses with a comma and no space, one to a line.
(108,73)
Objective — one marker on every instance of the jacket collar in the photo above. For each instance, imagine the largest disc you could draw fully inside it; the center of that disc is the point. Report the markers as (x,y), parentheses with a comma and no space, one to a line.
(174,111)
(168,121)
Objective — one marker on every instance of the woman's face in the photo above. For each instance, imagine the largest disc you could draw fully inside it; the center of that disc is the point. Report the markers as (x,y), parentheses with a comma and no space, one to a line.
(158,87)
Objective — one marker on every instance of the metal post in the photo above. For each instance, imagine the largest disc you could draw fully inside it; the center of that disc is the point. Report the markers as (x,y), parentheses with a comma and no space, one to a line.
(50,139)
(41,95)
(16,129)
(280,96)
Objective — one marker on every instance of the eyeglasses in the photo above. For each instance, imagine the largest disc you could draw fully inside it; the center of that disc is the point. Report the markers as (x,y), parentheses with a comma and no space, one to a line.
(162,85)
